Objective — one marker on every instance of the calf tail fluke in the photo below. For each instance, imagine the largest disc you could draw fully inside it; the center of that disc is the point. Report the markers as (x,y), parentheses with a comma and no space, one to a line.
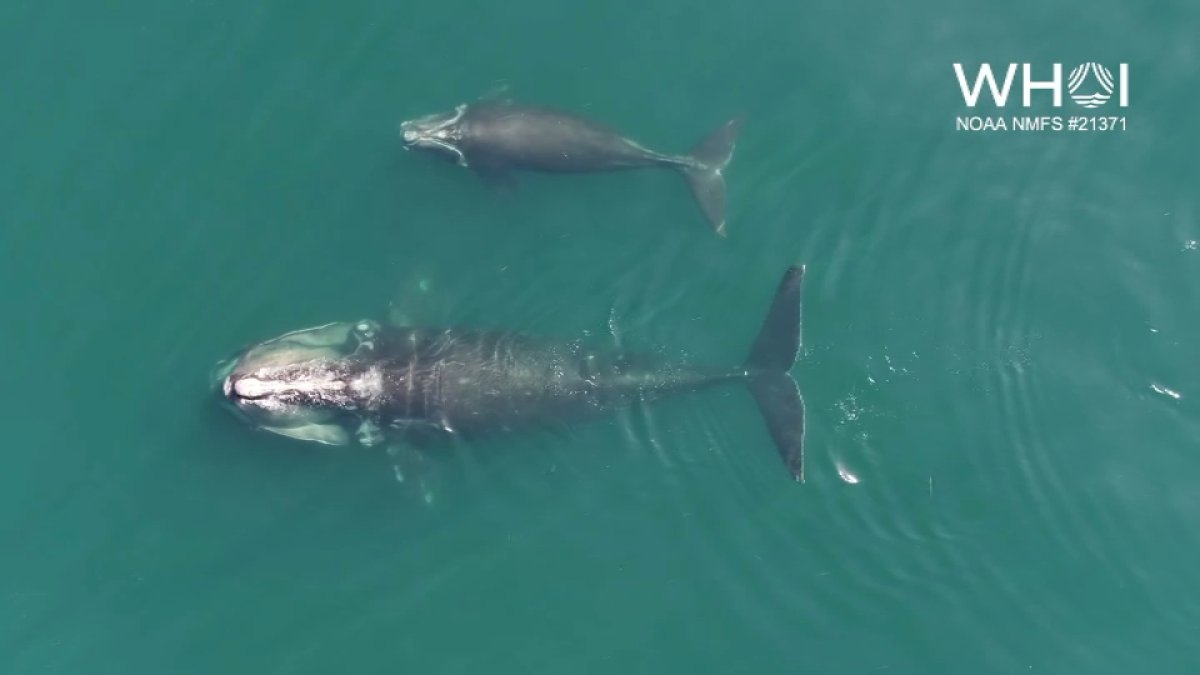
(706,173)
(771,358)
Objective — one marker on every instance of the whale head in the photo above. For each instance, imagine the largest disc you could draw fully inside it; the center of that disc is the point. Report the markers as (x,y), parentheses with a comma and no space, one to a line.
(439,133)
(306,384)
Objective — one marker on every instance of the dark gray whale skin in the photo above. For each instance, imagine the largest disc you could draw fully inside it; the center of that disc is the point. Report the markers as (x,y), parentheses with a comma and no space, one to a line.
(473,382)
(342,381)
(496,137)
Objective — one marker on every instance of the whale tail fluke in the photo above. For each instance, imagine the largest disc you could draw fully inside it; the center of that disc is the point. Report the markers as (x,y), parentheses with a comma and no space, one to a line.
(771,358)
(705,175)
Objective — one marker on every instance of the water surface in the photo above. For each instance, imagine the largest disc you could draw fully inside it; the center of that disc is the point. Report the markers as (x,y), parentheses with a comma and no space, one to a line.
(999,361)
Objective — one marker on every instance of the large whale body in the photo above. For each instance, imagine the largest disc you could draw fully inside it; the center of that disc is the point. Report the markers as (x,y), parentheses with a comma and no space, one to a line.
(365,383)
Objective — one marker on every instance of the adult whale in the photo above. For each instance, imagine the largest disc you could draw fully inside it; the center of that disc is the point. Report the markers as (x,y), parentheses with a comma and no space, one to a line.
(496,137)
(343,382)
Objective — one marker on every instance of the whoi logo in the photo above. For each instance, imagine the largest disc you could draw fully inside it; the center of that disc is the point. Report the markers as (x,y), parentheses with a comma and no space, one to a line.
(1090,85)
(1102,90)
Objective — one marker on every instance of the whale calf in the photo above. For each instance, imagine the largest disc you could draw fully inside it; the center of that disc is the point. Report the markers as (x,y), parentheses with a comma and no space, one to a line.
(366,383)
(496,137)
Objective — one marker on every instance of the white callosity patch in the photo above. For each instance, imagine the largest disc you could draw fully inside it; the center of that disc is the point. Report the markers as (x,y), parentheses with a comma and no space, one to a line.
(367,388)
(280,387)
(252,387)
(365,334)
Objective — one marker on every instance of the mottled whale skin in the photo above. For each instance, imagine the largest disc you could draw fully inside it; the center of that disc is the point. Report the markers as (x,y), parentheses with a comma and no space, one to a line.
(496,137)
(362,382)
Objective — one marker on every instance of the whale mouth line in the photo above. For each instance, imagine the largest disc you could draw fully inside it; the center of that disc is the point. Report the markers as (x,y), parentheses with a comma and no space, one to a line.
(437,141)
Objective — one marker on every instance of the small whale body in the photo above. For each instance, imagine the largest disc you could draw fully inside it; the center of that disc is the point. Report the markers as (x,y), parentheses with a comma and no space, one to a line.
(496,137)
(363,382)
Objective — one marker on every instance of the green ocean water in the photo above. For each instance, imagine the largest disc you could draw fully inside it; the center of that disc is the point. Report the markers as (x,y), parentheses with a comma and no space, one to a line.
(999,365)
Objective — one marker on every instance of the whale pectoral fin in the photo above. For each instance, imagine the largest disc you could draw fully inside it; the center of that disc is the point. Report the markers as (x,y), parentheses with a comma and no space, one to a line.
(501,93)
(413,472)
(498,179)
(329,434)
(417,304)
(369,434)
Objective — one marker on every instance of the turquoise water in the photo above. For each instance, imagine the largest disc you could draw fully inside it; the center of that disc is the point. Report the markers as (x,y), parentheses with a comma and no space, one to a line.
(999,362)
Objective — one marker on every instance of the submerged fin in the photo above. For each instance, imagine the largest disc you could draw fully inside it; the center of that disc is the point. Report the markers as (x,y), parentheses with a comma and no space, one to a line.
(501,92)
(706,174)
(329,434)
(415,474)
(772,356)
